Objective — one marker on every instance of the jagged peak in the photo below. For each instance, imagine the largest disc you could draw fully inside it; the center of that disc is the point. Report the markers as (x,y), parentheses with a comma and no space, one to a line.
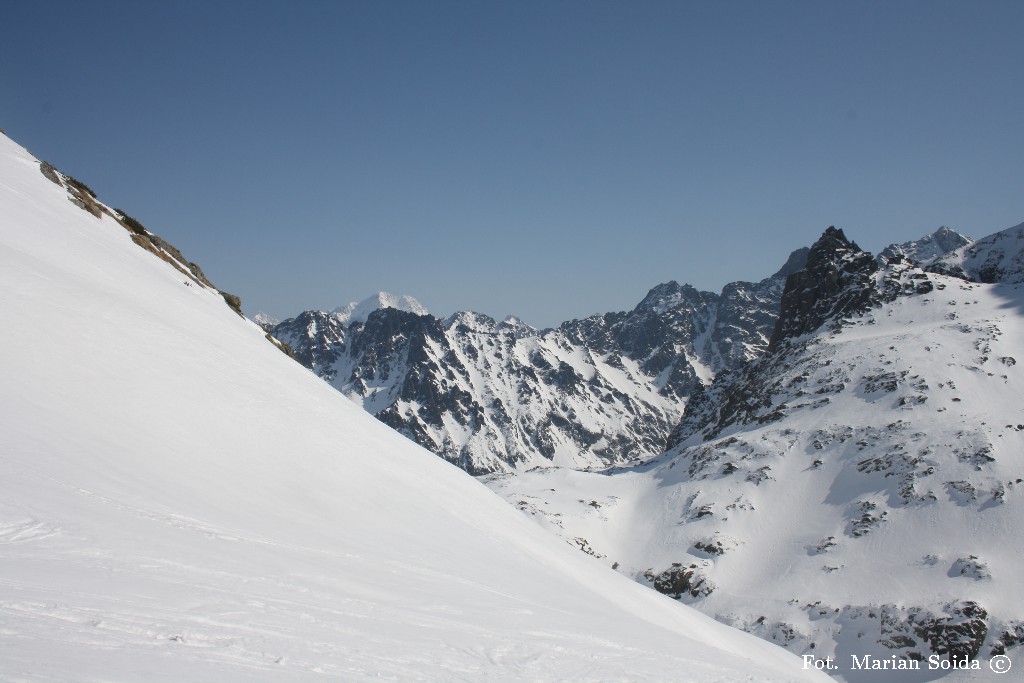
(832,247)
(999,257)
(471,320)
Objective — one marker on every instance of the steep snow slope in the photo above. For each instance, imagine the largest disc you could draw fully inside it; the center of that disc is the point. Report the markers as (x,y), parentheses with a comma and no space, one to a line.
(856,491)
(179,501)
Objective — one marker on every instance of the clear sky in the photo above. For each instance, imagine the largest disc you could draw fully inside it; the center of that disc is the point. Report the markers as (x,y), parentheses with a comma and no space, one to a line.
(543,158)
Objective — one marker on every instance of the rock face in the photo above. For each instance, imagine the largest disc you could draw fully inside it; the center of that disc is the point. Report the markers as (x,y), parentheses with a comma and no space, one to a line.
(494,396)
(835,282)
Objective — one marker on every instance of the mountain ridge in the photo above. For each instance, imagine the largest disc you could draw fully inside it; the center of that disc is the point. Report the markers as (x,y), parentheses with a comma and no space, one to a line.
(489,396)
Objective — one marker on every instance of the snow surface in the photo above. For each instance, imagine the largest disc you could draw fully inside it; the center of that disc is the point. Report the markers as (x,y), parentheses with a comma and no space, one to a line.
(180,501)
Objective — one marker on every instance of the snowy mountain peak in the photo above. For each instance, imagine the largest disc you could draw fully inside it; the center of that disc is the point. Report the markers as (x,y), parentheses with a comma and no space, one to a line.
(265,320)
(996,258)
(929,248)
(670,295)
(948,239)
(470,321)
(517,327)
(856,490)
(359,311)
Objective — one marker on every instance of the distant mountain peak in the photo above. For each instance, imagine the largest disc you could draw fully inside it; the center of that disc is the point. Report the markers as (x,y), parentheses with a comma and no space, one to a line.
(670,295)
(996,258)
(930,248)
(265,320)
(359,311)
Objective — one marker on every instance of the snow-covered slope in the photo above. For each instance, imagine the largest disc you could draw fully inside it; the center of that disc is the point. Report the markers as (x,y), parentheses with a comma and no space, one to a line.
(492,396)
(857,491)
(179,501)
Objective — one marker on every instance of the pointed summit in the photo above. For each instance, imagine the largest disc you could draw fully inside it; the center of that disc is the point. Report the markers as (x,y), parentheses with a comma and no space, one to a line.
(835,281)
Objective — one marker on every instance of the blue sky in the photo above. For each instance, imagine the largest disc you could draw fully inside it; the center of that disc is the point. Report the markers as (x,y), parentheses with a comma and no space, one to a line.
(547,159)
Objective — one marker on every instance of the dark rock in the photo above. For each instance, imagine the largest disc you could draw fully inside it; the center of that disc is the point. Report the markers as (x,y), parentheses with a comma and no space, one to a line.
(50,172)
(234,302)
(960,634)
(680,581)
(835,282)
